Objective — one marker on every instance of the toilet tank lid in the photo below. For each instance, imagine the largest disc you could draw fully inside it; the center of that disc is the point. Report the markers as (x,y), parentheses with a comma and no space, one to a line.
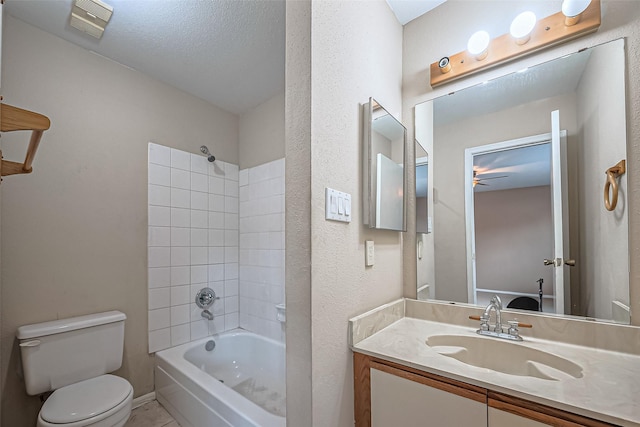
(65,325)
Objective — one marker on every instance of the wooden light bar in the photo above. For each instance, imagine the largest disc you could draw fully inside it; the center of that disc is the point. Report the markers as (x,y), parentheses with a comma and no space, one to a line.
(548,31)
(13,119)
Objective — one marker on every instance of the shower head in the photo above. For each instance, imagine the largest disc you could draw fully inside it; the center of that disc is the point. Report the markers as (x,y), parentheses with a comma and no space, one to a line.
(206,152)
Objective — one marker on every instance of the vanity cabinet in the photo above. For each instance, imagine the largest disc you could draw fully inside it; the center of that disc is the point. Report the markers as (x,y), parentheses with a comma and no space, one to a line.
(388,394)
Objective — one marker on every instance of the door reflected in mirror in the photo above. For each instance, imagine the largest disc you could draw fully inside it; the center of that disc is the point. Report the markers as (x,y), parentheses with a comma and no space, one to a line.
(507,221)
(384,148)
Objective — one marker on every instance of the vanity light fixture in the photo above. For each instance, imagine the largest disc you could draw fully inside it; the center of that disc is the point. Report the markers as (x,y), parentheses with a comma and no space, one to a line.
(478,45)
(531,36)
(572,10)
(445,65)
(522,26)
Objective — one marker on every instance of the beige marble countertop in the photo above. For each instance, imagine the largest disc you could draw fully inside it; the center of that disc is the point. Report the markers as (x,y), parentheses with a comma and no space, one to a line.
(609,389)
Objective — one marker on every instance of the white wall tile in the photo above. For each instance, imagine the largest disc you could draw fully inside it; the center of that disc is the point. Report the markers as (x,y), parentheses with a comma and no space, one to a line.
(159,154)
(199,274)
(216,237)
(159,298)
(231,254)
(199,182)
(180,159)
(230,188)
(217,325)
(231,287)
(159,236)
(216,168)
(180,217)
(216,255)
(244,193)
(231,171)
(180,295)
(159,257)
(180,334)
(216,272)
(198,255)
(199,219)
(180,275)
(159,340)
(159,195)
(230,304)
(159,175)
(159,216)
(231,238)
(216,185)
(180,256)
(180,314)
(231,221)
(216,220)
(199,237)
(216,203)
(199,329)
(180,179)
(159,319)
(199,164)
(199,201)
(231,271)
(231,321)
(243,177)
(218,307)
(159,277)
(231,204)
(180,198)
(180,236)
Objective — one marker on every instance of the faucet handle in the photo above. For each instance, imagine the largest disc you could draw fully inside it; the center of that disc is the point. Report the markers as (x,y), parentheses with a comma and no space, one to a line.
(513,327)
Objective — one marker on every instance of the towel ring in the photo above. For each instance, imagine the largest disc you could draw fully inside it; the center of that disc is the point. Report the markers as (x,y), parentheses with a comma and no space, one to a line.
(611,185)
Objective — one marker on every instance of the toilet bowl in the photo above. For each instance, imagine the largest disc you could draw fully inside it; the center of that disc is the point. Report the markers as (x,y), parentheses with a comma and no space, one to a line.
(104,401)
(71,357)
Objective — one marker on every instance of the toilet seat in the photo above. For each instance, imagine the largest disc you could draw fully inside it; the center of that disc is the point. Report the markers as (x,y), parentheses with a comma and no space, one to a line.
(101,401)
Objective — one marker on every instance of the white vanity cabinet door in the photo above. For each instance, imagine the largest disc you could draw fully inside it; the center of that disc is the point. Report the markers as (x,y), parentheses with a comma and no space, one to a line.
(398,401)
(498,418)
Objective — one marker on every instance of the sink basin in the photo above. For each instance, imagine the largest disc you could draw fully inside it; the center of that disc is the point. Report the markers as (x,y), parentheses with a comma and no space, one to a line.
(503,356)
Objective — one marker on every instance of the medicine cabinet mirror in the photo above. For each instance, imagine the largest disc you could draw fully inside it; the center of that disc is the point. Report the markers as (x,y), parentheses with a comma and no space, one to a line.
(521,161)
(422,185)
(384,147)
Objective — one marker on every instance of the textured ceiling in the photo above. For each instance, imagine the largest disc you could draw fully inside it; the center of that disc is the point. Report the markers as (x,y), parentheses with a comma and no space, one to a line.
(228,52)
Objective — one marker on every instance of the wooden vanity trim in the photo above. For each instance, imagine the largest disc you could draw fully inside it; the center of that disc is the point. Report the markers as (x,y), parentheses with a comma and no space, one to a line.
(541,413)
(362,389)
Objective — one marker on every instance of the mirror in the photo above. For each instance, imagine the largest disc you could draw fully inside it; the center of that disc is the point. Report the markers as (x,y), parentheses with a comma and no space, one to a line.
(422,183)
(383,169)
(518,175)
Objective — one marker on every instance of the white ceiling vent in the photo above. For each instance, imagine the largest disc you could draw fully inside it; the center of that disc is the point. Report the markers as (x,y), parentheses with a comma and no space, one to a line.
(90,17)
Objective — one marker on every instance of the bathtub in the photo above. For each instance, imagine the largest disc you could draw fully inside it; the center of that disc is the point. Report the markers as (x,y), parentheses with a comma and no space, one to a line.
(240,383)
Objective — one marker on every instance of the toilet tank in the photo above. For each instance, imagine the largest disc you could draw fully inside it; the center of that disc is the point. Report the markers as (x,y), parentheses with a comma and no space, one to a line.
(62,352)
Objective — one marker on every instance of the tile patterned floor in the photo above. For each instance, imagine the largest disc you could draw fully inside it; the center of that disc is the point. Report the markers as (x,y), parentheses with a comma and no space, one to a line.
(151,414)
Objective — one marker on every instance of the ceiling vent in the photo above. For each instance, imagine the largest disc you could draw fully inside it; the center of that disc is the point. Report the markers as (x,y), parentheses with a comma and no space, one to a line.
(90,16)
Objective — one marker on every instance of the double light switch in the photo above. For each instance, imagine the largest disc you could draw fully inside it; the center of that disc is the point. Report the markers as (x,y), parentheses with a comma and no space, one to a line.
(337,205)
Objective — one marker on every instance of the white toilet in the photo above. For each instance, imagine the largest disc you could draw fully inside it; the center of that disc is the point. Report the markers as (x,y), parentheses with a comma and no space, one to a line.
(72,356)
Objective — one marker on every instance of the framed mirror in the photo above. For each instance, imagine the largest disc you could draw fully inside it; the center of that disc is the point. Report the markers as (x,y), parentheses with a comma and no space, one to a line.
(518,180)
(384,147)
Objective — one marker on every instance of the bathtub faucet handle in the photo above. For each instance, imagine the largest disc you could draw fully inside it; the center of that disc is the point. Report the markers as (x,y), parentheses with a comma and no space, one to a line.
(205,298)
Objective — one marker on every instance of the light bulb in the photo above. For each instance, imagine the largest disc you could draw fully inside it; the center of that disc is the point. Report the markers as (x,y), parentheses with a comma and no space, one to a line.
(522,26)
(572,9)
(478,44)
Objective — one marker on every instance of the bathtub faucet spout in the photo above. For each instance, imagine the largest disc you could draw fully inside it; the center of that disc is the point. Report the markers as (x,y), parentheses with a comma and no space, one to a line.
(207,314)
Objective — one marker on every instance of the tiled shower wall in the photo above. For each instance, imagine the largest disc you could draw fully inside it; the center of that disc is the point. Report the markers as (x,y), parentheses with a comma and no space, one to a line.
(262,248)
(193,243)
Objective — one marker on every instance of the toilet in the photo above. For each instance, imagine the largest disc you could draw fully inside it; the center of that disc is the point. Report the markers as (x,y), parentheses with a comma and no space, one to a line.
(72,357)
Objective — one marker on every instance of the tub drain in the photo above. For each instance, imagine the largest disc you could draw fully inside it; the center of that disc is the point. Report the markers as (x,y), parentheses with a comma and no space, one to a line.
(210,345)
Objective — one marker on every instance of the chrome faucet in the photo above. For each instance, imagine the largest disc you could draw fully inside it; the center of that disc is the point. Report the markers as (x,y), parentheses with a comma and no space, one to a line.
(485,329)
(494,304)
(207,314)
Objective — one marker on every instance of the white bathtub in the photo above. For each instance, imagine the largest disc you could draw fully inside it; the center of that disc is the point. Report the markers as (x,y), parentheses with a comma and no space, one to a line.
(241,383)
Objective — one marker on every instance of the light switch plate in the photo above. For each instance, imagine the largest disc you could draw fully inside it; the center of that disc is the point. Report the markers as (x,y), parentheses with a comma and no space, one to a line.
(369,255)
(337,205)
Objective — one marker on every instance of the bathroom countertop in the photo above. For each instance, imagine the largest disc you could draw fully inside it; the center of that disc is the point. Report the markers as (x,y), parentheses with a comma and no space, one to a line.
(608,390)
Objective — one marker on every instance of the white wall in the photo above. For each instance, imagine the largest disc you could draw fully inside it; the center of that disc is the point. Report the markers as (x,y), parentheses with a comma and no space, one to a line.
(192,244)
(434,35)
(602,128)
(74,232)
(261,133)
(356,53)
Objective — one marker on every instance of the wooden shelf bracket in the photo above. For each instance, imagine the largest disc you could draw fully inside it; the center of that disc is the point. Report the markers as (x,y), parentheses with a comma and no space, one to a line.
(13,119)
